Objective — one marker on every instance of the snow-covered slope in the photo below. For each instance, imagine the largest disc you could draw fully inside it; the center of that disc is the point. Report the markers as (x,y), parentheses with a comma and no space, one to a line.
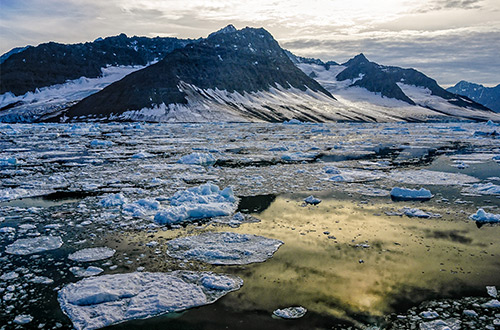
(359,100)
(47,101)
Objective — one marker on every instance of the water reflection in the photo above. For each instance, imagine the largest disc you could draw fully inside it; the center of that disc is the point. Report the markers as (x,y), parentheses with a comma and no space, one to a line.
(349,259)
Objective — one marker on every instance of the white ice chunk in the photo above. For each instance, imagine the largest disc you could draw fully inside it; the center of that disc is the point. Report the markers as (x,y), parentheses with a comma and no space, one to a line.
(312,200)
(483,189)
(429,315)
(410,194)
(112,200)
(223,248)
(27,246)
(290,312)
(414,212)
(449,324)
(89,271)
(9,276)
(494,303)
(41,280)
(205,201)
(100,143)
(96,302)
(198,158)
(485,217)
(492,291)
(426,177)
(92,254)
(23,319)
(7,230)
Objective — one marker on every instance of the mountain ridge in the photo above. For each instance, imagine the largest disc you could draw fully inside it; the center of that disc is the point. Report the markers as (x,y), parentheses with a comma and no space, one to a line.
(488,96)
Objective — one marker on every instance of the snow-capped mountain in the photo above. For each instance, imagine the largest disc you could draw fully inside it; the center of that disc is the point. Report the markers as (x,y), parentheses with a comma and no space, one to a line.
(487,96)
(36,81)
(233,75)
(391,93)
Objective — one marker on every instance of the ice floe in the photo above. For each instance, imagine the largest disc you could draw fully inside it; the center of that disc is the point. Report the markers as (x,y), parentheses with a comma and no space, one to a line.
(23,319)
(224,248)
(421,177)
(198,158)
(417,213)
(492,291)
(92,254)
(290,312)
(25,246)
(86,272)
(484,217)
(483,189)
(112,200)
(205,201)
(406,194)
(96,302)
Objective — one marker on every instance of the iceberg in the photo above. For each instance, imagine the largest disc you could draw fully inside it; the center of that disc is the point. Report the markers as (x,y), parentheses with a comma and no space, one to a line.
(290,312)
(92,254)
(484,217)
(405,194)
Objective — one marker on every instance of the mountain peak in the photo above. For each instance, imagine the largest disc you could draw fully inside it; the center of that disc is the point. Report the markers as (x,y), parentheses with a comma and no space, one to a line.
(356,60)
(228,29)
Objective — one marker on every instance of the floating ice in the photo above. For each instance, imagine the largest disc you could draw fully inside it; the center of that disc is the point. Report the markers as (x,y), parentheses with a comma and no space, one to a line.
(92,254)
(205,201)
(485,217)
(290,312)
(41,280)
(492,291)
(112,200)
(89,271)
(493,303)
(100,143)
(198,158)
(27,246)
(7,161)
(312,200)
(417,213)
(406,194)
(483,189)
(141,207)
(470,313)
(96,302)
(429,315)
(9,276)
(142,155)
(7,230)
(421,177)
(449,324)
(223,248)
(23,319)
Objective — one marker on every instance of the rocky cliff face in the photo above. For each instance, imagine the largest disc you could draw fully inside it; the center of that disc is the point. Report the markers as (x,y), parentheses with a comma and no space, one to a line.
(487,96)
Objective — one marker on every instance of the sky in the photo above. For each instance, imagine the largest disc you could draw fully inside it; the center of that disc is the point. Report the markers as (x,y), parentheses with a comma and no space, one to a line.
(449,40)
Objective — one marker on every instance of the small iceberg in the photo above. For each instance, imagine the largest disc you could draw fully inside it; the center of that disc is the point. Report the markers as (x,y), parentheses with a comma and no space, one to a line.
(405,194)
(97,302)
(223,248)
(205,201)
(312,200)
(290,312)
(482,216)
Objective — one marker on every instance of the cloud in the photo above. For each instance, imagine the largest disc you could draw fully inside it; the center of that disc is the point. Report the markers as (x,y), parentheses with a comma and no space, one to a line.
(392,30)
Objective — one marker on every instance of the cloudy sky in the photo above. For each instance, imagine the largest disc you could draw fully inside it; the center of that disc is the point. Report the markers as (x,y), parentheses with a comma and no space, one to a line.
(449,40)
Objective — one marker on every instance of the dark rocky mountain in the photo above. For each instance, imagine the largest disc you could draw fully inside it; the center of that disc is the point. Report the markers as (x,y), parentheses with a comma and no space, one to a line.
(309,60)
(384,80)
(26,69)
(244,61)
(487,96)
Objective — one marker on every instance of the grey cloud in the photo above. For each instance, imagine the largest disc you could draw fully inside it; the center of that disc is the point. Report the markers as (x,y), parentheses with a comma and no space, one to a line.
(451,4)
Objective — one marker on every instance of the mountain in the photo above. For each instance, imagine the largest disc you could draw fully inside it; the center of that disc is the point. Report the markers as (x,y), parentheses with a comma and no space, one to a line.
(233,75)
(31,68)
(392,93)
(487,96)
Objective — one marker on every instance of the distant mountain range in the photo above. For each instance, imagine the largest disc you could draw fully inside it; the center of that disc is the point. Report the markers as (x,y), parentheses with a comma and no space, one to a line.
(232,75)
(488,96)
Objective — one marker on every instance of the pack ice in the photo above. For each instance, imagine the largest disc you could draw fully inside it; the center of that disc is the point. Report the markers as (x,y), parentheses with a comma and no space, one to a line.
(97,302)
(224,248)
(25,246)
(205,201)
(290,312)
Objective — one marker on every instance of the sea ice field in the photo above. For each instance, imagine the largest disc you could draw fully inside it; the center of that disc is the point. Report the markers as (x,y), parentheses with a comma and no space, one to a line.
(250,226)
